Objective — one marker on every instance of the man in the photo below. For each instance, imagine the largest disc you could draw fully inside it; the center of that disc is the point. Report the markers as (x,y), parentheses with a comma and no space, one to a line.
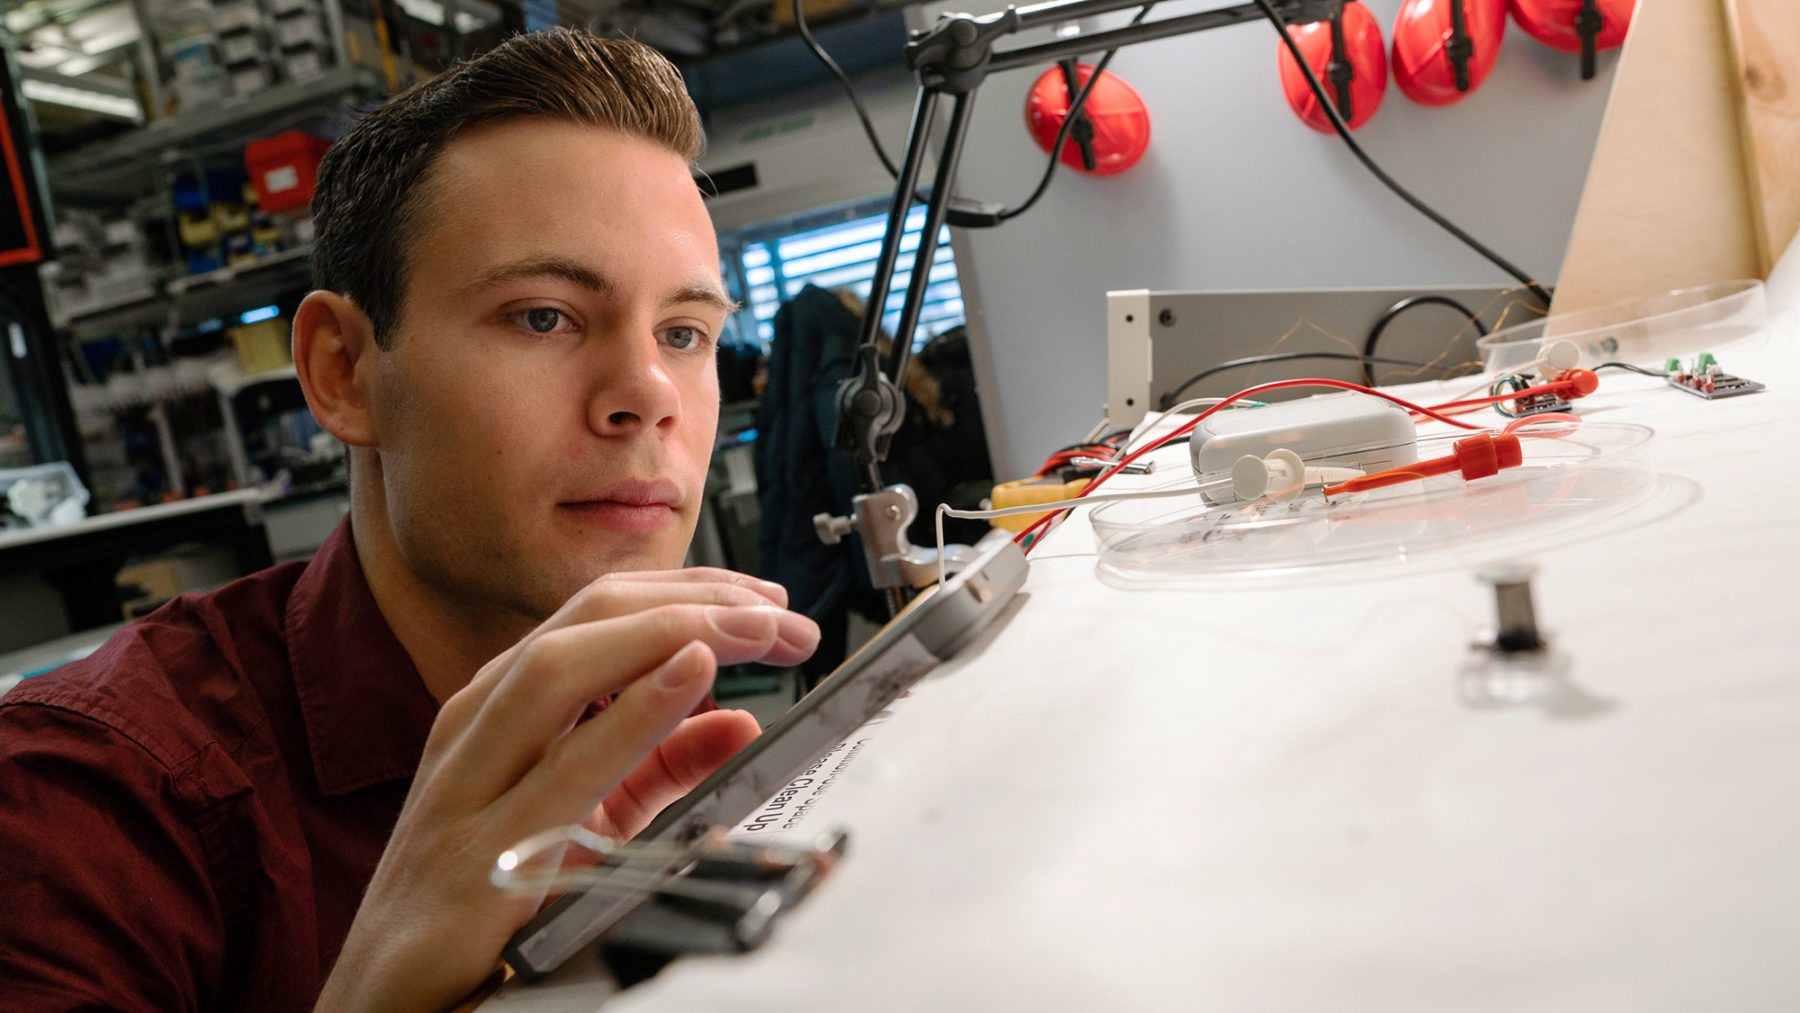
(293,789)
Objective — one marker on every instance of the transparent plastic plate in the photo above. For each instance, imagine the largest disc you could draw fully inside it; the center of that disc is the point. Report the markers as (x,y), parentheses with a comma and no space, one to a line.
(1682,322)
(1573,474)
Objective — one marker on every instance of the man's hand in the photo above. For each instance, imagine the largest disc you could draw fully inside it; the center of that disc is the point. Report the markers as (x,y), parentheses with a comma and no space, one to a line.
(509,756)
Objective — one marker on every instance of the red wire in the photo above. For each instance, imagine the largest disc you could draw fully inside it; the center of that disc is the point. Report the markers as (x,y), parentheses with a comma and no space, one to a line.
(1421,420)
(1041,522)
(1188,427)
(1063,457)
(1055,461)
(1518,425)
(1545,388)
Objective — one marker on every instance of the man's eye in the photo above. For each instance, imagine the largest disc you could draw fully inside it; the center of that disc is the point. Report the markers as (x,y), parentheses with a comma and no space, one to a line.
(539,319)
(683,338)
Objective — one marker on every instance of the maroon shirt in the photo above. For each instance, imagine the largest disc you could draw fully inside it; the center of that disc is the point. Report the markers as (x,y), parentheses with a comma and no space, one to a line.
(189,817)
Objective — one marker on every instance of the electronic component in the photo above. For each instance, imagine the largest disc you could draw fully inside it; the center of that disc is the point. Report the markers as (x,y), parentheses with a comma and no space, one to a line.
(1517,630)
(1538,404)
(1513,664)
(1510,664)
(1345,430)
(1551,390)
(1705,379)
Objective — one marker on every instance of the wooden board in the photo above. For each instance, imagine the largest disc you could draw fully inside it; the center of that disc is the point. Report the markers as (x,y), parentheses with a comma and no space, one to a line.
(1765,37)
(1667,202)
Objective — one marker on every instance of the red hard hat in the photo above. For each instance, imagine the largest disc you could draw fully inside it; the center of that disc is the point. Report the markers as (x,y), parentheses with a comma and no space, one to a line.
(1423,69)
(1120,118)
(1367,56)
(1552,22)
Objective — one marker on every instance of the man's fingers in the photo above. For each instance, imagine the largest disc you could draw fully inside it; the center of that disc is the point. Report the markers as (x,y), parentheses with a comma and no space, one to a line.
(795,639)
(709,574)
(621,594)
(591,761)
(692,751)
(551,680)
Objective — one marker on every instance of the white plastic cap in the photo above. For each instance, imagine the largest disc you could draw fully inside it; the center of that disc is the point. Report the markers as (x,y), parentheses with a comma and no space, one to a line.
(1560,356)
(1280,476)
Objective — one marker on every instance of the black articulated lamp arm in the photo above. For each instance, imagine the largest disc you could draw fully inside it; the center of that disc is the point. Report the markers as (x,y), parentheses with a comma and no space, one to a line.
(952,58)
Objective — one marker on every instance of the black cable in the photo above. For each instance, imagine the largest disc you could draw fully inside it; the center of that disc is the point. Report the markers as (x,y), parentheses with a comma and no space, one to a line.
(1343,131)
(1076,103)
(1646,371)
(1401,307)
(1254,360)
(1080,100)
(862,111)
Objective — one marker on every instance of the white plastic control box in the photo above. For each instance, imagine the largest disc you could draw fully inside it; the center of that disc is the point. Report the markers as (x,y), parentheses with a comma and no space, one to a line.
(1347,430)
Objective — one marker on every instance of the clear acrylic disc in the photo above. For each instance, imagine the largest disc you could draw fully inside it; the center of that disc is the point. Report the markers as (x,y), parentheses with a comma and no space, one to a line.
(1573,474)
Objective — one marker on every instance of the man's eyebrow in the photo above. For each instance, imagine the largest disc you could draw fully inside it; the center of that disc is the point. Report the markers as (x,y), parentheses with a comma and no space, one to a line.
(708,294)
(546,267)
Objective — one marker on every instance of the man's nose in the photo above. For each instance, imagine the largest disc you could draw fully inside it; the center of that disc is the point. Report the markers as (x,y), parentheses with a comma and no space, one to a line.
(632,389)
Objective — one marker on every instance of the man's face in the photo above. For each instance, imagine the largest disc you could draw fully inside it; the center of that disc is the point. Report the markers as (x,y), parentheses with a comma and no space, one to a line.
(546,409)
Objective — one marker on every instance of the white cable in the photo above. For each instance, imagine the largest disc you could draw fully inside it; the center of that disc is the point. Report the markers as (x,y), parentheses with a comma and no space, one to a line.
(1199,402)
(1034,508)
(1279,476)
(946,510)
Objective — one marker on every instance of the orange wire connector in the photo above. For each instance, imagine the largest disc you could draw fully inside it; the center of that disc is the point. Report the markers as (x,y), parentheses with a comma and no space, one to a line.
(1476,457)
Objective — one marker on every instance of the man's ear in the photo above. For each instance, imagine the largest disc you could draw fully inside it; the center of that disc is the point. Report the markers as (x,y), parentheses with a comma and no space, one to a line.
(334,354)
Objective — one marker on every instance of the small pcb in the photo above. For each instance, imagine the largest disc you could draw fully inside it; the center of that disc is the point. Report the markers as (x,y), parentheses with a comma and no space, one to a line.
(1538,404)
(1530,404)
(1704,378)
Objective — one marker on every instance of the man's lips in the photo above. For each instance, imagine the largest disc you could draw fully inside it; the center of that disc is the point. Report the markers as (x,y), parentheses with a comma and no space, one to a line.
(635,506)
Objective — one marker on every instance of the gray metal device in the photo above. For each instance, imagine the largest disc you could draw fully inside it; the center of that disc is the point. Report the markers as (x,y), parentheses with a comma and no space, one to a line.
(931,629)
(1157,340)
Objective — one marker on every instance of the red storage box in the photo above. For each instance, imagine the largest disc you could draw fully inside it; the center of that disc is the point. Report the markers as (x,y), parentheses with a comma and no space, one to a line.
(284,169)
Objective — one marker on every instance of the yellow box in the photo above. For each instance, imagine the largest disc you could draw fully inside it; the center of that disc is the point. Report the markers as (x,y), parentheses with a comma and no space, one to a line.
(1027,491)
(262,346)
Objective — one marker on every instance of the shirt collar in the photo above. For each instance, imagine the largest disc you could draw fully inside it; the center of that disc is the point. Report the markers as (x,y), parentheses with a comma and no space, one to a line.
(367,712)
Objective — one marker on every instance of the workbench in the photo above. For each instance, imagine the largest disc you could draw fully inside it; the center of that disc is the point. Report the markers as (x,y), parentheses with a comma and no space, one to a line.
(1273,797)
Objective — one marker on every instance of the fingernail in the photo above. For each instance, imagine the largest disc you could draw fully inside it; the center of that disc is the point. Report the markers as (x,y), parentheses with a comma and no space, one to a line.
(745,622)
(767,588)
(680,669)
(797,631)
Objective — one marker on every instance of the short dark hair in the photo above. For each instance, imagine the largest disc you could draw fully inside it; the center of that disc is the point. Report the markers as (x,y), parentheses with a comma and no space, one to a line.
(370,202)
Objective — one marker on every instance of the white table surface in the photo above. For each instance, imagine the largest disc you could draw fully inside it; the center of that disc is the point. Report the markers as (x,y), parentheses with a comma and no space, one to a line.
(1272,799)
